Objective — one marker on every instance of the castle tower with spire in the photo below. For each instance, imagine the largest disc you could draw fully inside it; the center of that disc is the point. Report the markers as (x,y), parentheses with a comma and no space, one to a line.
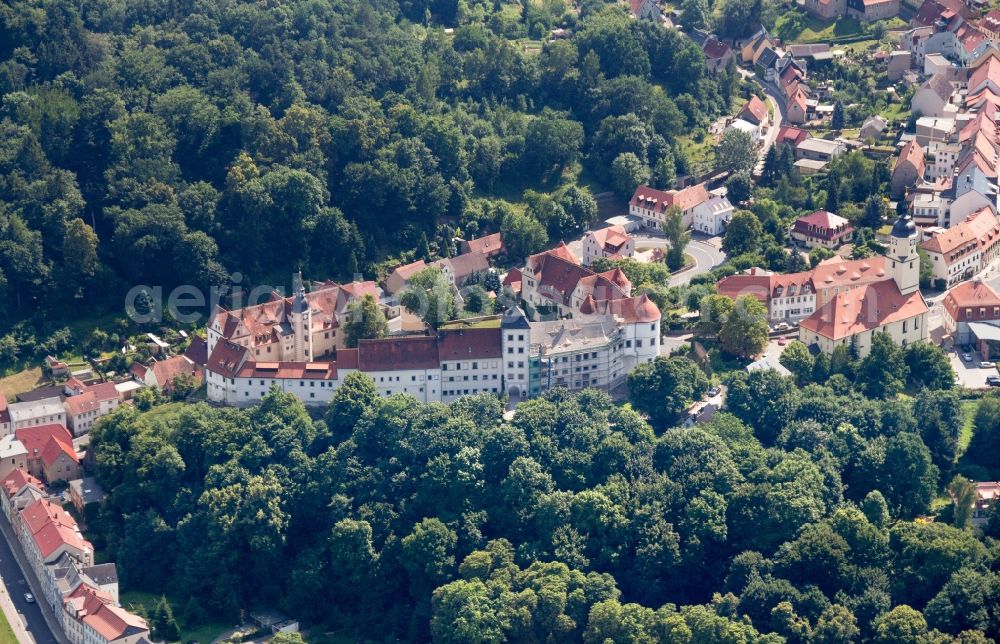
(300,318)
(904,263)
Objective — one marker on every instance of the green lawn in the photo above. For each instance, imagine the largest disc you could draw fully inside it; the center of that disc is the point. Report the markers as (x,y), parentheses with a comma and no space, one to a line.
(700,156)
(166,411)
(20,382)
(6,632)
(896,112)
(965,435)
(817,30)
(203,634)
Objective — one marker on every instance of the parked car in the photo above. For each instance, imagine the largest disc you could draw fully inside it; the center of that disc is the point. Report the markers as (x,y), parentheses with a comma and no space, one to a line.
(967,357)
(781,326)
(714,391)
(28,597)
(993,381)
(782,342)
(987,365)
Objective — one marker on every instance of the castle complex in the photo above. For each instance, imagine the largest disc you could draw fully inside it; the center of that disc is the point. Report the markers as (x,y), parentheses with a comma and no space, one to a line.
(581,329)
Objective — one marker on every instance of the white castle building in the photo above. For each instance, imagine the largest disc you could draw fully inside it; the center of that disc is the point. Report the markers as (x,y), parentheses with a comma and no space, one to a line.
(292,343)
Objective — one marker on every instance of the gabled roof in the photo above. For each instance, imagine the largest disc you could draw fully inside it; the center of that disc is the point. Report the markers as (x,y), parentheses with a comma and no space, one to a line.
(489,245)
(939,85)
(933,10)
(791,135)
(756,283)
(974,293)
(227,358)
(988,70)
(612,238)
(56,448)
(865,308)
(17,480)
(36,438)
(197,351)
(466,264)
(767,58)
(97,610)
(166,370)
(51,527)
(661,201)
(911,154)
(468,344)
(398,354)
(755,111)
(90,398)
(407,271)
(715,49)
(837,271)
(981,226)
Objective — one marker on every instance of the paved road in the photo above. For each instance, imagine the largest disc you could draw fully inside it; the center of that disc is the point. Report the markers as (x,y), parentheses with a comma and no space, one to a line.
(706,251)
(16,584)
(777,104)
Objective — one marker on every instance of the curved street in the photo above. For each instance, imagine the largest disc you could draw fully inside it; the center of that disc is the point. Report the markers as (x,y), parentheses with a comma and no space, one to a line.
(706,251)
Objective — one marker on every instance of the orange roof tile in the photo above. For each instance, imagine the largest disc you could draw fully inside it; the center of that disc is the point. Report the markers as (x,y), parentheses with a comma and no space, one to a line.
(981,227)
(863,309)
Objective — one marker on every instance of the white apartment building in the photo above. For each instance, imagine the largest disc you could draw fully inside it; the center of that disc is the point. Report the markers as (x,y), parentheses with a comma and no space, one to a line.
(46,411)
(712,216)
(965,249)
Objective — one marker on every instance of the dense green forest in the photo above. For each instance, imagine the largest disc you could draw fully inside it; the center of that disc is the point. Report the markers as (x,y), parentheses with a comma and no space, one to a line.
(793,516)
(165,143)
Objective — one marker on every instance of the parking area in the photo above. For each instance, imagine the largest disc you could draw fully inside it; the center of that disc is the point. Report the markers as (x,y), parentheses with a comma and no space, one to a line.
(970,374)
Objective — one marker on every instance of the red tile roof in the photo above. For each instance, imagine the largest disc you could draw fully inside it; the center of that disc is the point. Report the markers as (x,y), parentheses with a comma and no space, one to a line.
(863,309)
(488,245)
(36,438)
(791,135)
(227,358)
(166,370)
(911,154)
(757,284)
(823,224)
(90,398)
(661,201)
(839,272)
(397,354)
(17,480)
(981,227)
(469,344)
(407,271)
(823,219)
(557,277)
(54,449)
(755,111)
(197,351)
(974,294)
(612,238)
(715,49)
(933,10)
(51,527)
(988,70)
(97,610)
(263,321)
(289,370)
